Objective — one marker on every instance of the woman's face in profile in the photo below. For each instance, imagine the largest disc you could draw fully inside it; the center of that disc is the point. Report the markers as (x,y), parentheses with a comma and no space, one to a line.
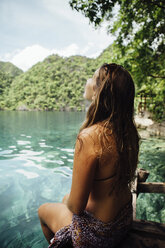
(90,87)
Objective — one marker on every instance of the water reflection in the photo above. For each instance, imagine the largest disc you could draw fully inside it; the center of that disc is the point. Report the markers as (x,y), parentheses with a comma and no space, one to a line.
(36,160)
(35,165)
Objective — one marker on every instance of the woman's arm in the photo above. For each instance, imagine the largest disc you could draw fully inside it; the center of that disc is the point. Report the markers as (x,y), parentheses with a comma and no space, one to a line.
(84,165)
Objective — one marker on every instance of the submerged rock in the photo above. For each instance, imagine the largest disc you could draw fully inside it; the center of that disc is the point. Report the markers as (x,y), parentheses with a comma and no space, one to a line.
(149,127)
(22,108)
(143,122)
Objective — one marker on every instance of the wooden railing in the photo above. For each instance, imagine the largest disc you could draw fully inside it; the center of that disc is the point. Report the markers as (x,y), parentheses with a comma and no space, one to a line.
(147,234)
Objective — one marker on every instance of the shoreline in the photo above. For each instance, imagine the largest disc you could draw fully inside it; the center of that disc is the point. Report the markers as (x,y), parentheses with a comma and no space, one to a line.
(148,127)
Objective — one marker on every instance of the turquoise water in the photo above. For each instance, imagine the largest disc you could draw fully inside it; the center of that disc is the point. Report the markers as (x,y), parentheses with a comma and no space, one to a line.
(36,158)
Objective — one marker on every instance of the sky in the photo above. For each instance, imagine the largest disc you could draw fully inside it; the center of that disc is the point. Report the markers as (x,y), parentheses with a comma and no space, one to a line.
(31,30)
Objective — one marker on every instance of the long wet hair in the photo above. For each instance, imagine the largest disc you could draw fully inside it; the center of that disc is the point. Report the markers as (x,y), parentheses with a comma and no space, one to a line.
(114,106)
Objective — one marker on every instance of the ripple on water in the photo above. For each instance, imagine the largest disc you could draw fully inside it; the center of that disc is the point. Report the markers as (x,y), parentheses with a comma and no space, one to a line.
(23,142)
(44,145)
(5,152)
(50,156)
(27,174)
(65,171)
(66,149)
(70,160)
(31,152)
(30,163)
(54,161)
(26,157)
(64,157)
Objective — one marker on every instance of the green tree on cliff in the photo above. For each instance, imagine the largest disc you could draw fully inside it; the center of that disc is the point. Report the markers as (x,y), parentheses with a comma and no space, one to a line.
(139,28)
(139,25)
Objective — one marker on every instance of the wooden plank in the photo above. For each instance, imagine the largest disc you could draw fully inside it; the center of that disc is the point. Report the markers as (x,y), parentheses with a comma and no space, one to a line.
(134,240)
(151,187)
(140,175)
(144,234)
(149,227)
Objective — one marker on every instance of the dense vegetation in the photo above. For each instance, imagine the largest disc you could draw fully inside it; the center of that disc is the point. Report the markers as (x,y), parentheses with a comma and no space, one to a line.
(55,84)
(8,72)
(139,28)
(58,83)
(10,69)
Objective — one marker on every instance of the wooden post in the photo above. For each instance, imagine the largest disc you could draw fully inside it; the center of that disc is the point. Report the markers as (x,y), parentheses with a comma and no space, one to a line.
(141,176)
(134,196)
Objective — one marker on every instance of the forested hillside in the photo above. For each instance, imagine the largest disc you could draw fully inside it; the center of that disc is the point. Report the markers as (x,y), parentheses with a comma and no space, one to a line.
(10,69)
(58,83)
(8,72)
(55,84)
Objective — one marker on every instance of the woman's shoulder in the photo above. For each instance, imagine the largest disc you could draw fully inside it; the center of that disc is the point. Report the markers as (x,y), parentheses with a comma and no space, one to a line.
(95,133)
(92,131)
(87,141)
(98,138)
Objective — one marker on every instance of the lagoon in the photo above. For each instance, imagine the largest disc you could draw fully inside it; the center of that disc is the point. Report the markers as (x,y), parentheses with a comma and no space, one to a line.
(36,159)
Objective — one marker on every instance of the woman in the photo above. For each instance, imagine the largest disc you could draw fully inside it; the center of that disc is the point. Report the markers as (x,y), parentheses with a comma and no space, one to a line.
(98,210)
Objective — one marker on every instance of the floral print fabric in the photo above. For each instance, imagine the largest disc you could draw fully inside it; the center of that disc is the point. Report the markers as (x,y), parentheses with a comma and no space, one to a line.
(87,231)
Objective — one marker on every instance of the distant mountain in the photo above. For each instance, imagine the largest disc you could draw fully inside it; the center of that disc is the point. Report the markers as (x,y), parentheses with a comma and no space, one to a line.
(5,82)
(10,69)
(57,83)
(8,72)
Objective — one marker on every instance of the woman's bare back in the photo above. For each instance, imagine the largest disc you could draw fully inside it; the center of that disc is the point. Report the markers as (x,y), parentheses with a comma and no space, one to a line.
(104,201)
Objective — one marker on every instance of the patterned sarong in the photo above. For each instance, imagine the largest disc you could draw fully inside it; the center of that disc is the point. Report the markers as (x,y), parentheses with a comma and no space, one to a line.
(87,231)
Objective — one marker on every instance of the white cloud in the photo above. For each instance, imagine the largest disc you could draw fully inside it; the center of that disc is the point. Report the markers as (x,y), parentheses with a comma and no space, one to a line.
(30,55)
(27,57)
(53,27)
(72,49)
